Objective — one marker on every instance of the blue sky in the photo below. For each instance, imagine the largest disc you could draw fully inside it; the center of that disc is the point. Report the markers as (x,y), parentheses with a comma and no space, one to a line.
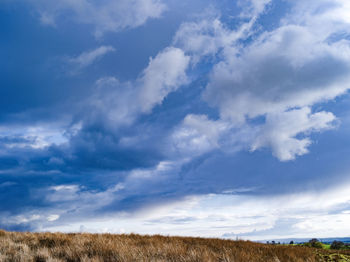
(204,118)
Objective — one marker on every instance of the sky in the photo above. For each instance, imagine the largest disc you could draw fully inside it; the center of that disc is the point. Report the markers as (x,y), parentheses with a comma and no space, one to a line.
(211,118)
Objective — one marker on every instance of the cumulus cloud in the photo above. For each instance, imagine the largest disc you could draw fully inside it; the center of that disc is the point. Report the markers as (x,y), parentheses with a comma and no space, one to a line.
(209,36)
(313,12)
(283,69)
(105,16)
(122,102)
(281,129)
(295,66)
(204,38)
(164,74)
(197,134)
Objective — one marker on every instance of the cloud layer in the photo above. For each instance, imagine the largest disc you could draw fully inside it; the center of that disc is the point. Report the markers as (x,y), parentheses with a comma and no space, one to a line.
(221,114)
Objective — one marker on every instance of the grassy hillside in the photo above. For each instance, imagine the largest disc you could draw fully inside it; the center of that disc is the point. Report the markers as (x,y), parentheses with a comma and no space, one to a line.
(107,247)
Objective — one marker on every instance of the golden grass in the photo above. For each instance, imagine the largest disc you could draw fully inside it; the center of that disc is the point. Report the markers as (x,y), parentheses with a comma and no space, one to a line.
(56,247)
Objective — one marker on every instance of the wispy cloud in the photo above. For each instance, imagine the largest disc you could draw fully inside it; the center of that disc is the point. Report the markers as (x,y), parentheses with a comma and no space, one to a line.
(106,16)
(304,214)
(87,58)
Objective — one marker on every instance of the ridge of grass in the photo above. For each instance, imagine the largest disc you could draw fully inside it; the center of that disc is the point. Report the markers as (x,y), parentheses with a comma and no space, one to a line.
(81,247)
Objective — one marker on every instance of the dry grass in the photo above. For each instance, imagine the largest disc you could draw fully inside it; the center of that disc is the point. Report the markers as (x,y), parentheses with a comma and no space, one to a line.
(56,247)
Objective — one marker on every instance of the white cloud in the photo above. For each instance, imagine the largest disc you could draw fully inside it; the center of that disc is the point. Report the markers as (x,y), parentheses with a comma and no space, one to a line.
(316,12)
(197,134)
(253,8)
(281,132)
(123,102)
(283,69)
(207,37)
(281,129)
(63,193)
(278,73)
(305,214)
(164,74)
(204,38)
(105,16)
(35,136)
(52,218)
(87,58)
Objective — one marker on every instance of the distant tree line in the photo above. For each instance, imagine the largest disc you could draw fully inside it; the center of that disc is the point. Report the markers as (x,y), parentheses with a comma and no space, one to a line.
(314,242)
(340,245)
(335,244)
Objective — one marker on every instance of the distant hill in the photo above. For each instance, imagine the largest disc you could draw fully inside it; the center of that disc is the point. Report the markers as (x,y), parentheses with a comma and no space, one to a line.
(303,240)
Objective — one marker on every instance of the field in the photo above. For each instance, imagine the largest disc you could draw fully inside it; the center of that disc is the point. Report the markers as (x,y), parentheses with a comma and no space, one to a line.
(107,247)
